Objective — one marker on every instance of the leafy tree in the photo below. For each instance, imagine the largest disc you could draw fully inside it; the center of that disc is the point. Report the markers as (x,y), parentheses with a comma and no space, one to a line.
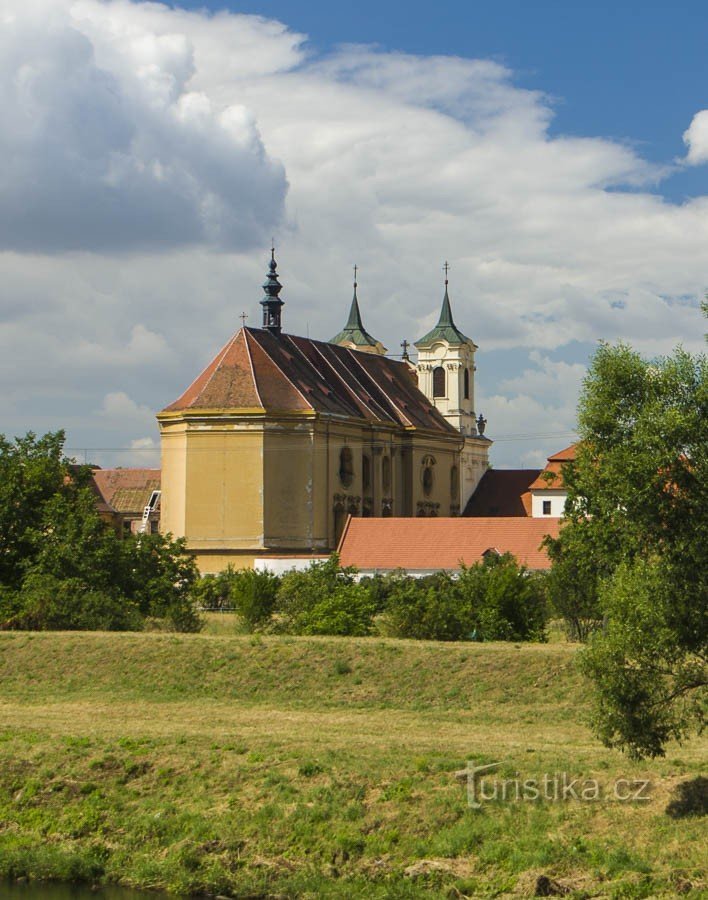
(32,472)
(62,566)
(637,513)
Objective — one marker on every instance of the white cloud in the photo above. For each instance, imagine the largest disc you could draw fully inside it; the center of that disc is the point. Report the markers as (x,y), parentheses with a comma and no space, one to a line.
(118,153)
(696,139)
(393,161)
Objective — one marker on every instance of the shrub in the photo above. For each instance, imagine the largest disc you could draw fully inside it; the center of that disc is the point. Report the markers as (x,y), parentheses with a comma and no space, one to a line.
(427,609)
(253,594)
(507,601)
(50,603)
(325,599)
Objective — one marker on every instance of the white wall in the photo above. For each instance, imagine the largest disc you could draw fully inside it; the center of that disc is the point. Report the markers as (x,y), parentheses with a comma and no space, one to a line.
(557,499)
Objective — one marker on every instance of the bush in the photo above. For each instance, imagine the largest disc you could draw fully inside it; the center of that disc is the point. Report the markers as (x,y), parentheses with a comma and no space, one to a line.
(325,599)
(495,600)
(253,595)
(428,608)
(507,600)
(50,603)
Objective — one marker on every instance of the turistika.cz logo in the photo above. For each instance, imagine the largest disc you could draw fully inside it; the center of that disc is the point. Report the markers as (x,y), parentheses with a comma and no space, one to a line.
(553,787)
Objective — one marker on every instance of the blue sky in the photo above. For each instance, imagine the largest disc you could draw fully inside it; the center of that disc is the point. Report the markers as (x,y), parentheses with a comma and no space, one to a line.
(633,71)
(149,152)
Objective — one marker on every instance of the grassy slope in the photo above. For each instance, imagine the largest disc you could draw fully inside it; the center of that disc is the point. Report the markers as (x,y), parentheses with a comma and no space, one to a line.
(325,766)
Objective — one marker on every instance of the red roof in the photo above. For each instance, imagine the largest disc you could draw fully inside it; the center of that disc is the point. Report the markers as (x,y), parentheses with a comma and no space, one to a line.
(279,373)
(551,479)
(126,490)
(564,455)
(502,492)
(432,544)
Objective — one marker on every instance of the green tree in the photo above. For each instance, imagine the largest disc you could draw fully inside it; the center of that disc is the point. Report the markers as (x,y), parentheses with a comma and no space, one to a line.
(637,514)
(32,472)
(62,566)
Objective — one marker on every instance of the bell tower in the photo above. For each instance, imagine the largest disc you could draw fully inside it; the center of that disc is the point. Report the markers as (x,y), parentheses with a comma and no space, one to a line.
(446,369)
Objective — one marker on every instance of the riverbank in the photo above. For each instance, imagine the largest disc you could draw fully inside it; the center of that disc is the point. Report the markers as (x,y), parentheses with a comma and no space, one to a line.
(321,767)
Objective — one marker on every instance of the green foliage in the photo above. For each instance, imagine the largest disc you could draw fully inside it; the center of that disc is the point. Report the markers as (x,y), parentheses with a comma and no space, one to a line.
(32,472)
(253,595)
(495,600)
(159,577)
(637,516)
(507,600)
(69,604)
(63,567)
(325,599)
(429,608)
(573,583)
(646,680)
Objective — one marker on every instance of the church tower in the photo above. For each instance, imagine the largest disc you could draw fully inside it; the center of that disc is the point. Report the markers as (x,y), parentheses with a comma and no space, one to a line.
(446,369)
(354,335)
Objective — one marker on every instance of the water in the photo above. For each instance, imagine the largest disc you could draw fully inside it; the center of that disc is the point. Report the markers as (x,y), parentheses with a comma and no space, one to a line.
(35,891)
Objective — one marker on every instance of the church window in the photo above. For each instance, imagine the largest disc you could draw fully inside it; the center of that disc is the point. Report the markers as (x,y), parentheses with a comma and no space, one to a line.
(439,382)
(366,472)
(467,384)
(427,475)
(546,507)
(346,466)
(386,473)
(454,482)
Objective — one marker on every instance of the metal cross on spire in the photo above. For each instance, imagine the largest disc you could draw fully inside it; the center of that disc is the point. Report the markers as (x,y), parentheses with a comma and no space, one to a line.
(446,269)
(243,318)
(356,269)
(405,345)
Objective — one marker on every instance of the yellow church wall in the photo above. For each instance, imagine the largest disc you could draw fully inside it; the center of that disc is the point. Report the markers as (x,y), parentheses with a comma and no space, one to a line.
(224,504)
(294,507)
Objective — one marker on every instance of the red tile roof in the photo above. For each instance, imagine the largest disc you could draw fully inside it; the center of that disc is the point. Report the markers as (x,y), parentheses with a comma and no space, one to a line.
(564,455)
(126,490)
(502,492)
(551,478)
(278,373)
(433,544)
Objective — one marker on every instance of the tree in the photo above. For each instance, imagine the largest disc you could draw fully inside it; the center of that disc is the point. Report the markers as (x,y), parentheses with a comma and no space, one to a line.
(62,566)
(637,515)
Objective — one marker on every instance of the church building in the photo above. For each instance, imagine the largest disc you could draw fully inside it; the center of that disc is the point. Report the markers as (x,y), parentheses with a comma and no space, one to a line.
(281,438)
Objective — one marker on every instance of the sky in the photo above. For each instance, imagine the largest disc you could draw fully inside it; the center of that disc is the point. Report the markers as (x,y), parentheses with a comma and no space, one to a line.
(555,154)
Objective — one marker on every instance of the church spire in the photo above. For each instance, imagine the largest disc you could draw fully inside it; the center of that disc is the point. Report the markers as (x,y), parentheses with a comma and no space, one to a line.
(354,334)
(271,302)
(445,330)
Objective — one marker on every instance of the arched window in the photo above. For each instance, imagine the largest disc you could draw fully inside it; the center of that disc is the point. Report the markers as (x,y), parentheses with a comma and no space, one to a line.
(386,473)
(467,384)
(454,483)
(366,472)
(439,382)
(346,466)
(427,476)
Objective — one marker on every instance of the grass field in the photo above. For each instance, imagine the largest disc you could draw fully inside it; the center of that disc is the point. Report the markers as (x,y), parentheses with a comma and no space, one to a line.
(286,767)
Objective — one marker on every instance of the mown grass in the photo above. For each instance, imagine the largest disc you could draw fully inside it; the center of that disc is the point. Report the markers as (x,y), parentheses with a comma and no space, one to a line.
(318,767)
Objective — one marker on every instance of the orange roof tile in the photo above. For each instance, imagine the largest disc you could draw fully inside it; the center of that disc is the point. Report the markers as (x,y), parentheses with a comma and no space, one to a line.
(433,544)
(551,478)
